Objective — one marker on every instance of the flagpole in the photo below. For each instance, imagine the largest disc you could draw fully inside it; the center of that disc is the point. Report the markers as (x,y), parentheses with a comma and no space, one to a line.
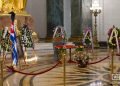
(13,40)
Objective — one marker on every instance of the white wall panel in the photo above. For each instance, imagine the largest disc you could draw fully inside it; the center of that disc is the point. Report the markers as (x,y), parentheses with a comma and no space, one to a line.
(67,17)
(37,8)
(109,16)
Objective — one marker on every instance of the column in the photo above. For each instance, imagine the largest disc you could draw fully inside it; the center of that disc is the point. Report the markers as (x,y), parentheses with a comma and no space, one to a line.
(37,8)
(75,18)
(86,15)
(67,17)
(54,15)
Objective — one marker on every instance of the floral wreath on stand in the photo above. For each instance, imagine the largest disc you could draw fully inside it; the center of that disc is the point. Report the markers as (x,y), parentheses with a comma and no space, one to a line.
(4,39)
(113,36)
(87,40)
(79,48)
(59,34)
(26,37)
(87,37)
(112,43)
(4,43)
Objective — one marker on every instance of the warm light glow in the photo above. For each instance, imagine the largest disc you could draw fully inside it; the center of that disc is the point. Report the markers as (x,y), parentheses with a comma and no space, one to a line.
(25,55)
(95,6)
(32,59)
(34,34)
(8,83)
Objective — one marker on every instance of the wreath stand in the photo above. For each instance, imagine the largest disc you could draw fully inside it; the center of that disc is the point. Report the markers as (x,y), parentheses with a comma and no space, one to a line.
(3,52)
(113,34)
(88,36)
(58,39)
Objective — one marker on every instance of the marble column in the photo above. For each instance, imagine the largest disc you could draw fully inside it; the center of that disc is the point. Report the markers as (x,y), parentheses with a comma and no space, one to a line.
(54,15)
(67,17)
(75,18)
(86,14)
(37,8)
(80,16)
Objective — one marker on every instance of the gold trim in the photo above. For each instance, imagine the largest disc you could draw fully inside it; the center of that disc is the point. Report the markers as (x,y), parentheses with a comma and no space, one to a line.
(2,14)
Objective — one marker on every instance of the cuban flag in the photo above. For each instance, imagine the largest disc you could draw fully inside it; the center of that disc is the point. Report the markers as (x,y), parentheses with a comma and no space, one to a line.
(14,41)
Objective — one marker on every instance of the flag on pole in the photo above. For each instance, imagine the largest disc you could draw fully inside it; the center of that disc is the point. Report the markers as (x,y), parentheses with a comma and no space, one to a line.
(13,40)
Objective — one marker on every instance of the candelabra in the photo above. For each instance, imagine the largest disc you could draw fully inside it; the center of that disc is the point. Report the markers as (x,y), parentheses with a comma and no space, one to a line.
(95,9)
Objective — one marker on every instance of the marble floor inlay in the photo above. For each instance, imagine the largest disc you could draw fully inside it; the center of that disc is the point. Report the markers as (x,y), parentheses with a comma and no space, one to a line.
(93,75)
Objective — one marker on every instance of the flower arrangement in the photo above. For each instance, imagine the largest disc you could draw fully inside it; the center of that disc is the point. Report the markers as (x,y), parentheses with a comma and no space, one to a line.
(110,31)
(57,39)
(87,37)
(87,40)
(59,34)
(61,53)
(81,58)
(61,49)
(26,36)
(113,37)
(112,43)
(4,41)
(79,48)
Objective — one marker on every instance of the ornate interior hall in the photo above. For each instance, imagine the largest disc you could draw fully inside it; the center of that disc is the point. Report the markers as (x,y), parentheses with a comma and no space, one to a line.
(92,75)
(59,43)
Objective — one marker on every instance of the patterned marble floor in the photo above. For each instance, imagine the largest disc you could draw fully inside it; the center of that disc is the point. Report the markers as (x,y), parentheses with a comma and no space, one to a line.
(93,75)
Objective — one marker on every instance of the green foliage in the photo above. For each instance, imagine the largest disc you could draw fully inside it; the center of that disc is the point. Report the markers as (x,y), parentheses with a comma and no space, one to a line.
(87,41)
(26,37)
(112,44)
(4,42)
(79,48)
